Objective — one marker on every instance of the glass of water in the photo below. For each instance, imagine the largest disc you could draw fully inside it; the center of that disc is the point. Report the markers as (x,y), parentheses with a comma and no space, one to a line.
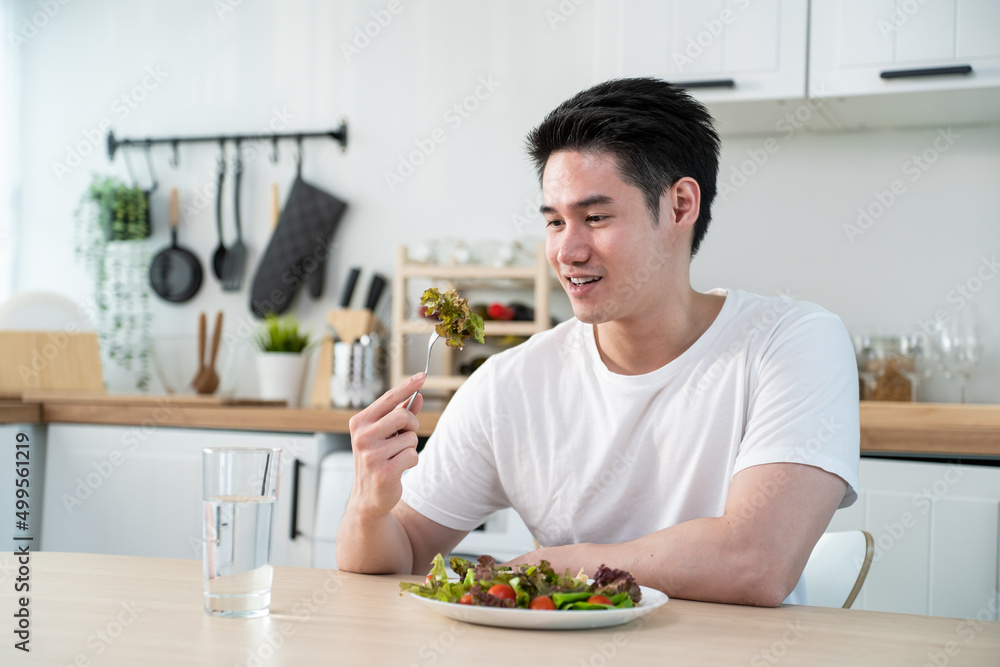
(240,492)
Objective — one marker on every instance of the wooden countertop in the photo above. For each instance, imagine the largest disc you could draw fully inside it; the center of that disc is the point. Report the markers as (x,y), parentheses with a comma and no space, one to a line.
(912,428)
(128,611)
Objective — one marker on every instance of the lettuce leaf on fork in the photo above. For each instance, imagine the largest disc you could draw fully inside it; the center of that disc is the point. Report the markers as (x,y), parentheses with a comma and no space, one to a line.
(456,321)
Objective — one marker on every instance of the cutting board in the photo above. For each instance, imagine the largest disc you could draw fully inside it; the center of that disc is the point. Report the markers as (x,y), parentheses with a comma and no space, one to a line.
(49,360)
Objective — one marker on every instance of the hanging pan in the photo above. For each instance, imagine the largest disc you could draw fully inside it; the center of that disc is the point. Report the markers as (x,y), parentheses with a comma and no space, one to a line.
(175,272)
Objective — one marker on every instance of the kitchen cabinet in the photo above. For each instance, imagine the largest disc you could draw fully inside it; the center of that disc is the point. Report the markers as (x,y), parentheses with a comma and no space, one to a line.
(865,47)
(136,490)
(724,50)
(535,277)
(767,65)
(936,537)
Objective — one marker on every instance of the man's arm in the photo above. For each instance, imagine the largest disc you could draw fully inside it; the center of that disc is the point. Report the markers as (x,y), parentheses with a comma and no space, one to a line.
(753,554)
(379,533)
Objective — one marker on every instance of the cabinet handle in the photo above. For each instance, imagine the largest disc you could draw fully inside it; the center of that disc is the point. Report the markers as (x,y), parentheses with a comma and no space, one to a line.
(294,530)
(707,83)
(929,71)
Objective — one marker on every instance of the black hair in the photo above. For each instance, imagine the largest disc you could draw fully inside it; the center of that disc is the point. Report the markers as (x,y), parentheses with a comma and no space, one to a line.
(656,132)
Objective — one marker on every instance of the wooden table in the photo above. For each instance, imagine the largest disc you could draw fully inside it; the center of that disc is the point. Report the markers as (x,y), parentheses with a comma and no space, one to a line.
(116,610)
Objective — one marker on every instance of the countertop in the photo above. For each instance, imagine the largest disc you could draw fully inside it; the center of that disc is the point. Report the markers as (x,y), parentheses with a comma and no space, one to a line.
(148,611)
(913,428)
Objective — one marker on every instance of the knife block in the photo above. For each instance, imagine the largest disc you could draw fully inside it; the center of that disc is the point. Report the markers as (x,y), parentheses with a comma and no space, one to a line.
(350,325)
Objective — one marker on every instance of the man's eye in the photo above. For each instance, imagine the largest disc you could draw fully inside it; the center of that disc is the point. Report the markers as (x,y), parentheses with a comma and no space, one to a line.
(553,223)
(596,218)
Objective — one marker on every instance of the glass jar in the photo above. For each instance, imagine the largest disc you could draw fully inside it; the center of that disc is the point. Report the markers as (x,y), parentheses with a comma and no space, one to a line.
(890,368)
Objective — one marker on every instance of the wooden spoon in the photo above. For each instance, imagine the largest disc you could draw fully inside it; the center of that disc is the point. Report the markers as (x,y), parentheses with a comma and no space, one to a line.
(209,380)
(196,380)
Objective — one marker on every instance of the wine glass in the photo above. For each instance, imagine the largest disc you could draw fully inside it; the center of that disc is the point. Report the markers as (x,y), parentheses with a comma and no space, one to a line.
(915,365)
(959,347)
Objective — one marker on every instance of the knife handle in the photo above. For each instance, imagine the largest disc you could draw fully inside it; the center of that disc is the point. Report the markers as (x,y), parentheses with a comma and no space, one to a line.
(352,281)
(375,292)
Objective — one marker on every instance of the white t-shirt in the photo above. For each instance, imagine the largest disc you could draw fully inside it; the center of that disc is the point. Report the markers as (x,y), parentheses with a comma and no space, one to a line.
(586,455)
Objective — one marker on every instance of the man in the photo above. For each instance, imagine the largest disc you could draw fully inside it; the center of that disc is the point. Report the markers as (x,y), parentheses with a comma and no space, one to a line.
(701,441)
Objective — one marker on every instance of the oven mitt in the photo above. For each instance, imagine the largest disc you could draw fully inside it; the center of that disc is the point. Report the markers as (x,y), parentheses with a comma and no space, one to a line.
(298,249)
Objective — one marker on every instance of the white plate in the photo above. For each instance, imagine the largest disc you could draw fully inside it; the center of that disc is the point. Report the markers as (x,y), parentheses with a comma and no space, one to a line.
(535,619)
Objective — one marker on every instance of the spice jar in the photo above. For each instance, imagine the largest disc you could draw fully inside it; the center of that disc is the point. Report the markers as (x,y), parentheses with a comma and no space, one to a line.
(888,368)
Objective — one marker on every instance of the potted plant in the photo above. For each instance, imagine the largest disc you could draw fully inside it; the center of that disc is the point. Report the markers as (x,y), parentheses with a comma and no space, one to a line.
(112,226)
(281,362)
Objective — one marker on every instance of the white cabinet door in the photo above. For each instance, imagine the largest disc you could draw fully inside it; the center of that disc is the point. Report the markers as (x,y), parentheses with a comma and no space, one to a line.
(936,537)
(137,491)
(861,47)
(726,50)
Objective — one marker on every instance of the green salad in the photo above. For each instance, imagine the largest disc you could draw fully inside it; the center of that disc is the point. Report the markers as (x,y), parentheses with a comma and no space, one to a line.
(456,321)
(526,586)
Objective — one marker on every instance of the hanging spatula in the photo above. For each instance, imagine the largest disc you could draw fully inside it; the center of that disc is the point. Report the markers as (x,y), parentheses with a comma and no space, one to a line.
(232,269)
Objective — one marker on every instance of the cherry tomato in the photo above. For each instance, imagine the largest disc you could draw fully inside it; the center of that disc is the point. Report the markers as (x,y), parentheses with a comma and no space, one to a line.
(502,591)
(598,599)
(542,602)
(465,599)
(428,579)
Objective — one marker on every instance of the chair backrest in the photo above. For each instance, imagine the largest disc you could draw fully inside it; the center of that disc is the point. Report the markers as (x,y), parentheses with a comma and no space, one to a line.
(838,567)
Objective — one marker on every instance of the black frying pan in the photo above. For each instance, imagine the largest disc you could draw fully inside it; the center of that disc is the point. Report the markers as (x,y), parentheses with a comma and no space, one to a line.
(175,272)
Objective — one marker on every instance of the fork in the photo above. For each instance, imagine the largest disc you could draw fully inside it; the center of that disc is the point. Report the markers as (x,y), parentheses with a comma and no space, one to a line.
(427,365)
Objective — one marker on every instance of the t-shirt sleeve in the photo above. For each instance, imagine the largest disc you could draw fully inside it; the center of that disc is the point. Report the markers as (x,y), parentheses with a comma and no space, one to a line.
(804,406)
(455,483)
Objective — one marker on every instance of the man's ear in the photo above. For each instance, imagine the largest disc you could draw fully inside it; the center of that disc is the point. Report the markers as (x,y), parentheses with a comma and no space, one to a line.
(683,200)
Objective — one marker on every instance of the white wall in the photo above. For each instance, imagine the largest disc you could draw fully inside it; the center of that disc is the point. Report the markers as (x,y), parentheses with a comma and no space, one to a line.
(229,72)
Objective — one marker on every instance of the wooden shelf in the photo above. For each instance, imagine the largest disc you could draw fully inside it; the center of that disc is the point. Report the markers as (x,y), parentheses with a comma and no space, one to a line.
(229,418)
(930,428)
(904,428)
(536,277)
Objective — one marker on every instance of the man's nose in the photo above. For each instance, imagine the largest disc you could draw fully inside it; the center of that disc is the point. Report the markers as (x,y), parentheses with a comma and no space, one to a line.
(574,245)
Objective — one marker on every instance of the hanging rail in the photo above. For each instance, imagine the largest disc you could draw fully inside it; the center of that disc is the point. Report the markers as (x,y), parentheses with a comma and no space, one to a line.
(339,135)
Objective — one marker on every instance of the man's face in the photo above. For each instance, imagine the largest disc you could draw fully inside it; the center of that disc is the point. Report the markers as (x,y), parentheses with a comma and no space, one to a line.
(600,240)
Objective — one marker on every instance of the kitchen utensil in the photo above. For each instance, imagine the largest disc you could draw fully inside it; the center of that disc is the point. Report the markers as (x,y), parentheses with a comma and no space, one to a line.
(49,360)
(174,363)
(297,248)
(232,269)
(375,291)
(196,380)
(427,365)
(219,258)
(351,324)
(175,273)
(348,293)
(275,206)
(319,396)
(209,380)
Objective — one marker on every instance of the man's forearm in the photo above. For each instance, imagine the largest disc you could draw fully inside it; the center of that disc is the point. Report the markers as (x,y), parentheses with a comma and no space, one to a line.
(702,559)
(373,545)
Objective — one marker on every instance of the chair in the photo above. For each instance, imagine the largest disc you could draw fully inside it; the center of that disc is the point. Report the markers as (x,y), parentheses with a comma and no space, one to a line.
(838,567)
